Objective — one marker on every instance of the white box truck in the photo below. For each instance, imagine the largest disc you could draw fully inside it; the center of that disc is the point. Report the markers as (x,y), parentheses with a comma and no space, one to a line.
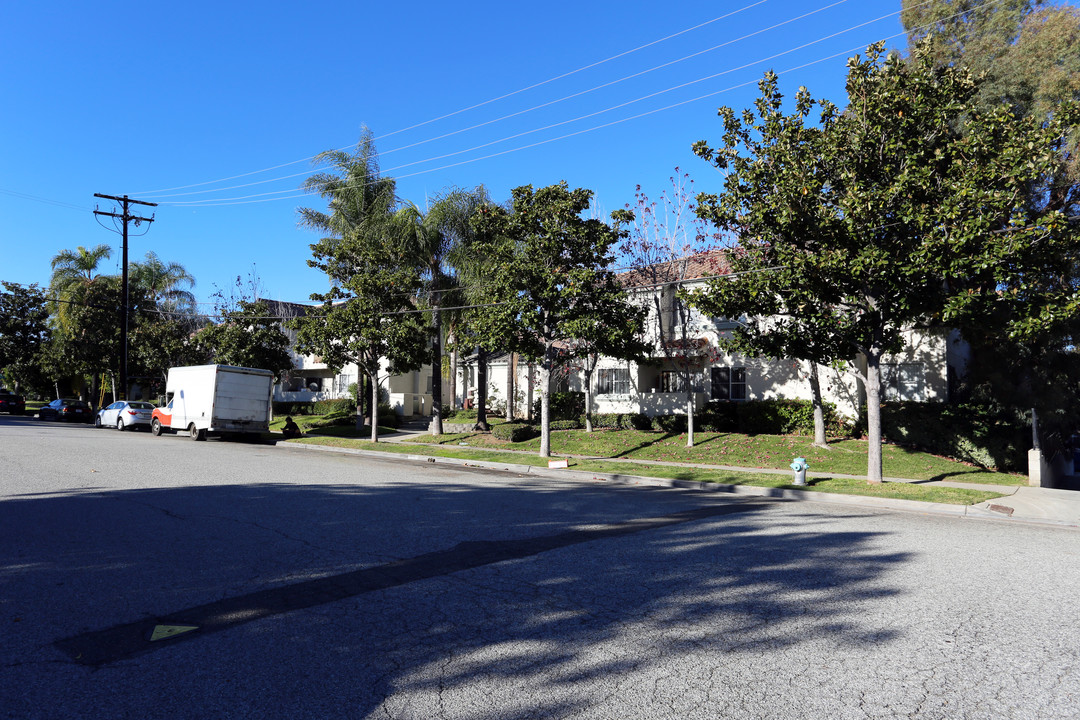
(204,400)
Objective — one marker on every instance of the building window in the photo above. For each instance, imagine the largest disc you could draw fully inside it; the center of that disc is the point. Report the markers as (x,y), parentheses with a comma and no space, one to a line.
(728,383)
(903,382)
(674,381)
(613,381)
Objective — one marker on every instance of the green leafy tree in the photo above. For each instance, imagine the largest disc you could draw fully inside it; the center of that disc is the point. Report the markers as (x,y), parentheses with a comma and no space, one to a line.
(247,337)
(368,315)
(24,329)
(1028,52)
(551,278)
(908,210)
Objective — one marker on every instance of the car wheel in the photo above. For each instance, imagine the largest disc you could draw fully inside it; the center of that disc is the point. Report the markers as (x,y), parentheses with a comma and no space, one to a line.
(120,424)
(155,427)
(97,421)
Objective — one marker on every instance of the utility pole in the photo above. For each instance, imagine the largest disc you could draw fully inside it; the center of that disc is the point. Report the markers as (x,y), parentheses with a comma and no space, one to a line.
(125,217)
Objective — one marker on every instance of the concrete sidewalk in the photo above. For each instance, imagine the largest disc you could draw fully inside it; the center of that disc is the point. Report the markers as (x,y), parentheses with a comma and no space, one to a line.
(1020,503)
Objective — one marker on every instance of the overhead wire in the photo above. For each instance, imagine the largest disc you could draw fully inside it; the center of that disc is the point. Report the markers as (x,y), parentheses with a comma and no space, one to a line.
(550,103)
(249,199)
(481,104)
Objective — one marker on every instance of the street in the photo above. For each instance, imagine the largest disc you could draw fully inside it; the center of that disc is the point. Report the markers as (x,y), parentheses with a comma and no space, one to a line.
(283,583)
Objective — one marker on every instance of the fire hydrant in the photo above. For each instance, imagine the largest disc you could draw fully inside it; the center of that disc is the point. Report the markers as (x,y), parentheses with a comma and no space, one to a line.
(800,466)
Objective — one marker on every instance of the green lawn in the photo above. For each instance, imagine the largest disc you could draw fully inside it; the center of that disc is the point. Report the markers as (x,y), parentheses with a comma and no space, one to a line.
(846,457)
(848,486)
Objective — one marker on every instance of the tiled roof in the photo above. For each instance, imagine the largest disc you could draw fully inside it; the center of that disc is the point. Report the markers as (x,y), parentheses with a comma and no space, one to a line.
(694,267)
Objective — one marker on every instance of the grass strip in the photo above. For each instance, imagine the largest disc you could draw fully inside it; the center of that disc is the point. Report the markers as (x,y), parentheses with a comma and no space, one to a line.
(774,452)
(845,486)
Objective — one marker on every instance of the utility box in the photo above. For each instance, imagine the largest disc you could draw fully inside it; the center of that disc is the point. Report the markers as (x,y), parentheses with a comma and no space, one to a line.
(203,400)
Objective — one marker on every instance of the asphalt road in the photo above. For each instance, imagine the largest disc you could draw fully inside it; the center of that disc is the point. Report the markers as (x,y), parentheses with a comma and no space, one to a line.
(327,586)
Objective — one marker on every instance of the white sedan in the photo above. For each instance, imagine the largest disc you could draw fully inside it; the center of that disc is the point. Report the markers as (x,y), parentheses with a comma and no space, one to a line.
(124,414)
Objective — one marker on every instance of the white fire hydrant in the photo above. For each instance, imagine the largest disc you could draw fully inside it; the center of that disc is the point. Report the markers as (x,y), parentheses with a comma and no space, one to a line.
(800,466)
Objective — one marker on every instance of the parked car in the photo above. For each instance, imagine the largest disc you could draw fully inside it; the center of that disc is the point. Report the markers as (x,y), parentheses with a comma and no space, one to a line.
(12,403)
(124,414)
(67,410)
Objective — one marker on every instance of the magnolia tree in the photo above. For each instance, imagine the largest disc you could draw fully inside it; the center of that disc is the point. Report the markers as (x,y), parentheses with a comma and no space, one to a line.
(909,209)
(551,280)
(666,245)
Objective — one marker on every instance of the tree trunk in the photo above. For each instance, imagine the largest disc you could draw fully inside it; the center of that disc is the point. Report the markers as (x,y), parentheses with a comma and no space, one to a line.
(374,378)
(436,372)
(819,409)
(510,387)
(545,406)
(361,397)
(453,374)
(873,417)
(690,416)
(590,368)
(532,391)
(481,391)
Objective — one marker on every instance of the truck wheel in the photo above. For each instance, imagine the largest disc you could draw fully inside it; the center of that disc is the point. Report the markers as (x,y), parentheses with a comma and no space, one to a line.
(155,427)
(195,433)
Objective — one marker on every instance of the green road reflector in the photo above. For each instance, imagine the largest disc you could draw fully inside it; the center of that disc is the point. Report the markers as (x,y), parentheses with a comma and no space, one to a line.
(161,632)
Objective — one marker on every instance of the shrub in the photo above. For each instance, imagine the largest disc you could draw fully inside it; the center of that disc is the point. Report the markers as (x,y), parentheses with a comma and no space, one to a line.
(564,425)
(327,407)
(603,420)
(460,415)
(784,417)
(292,408)
(514,432)
(975,433)
(563,405)
(670,423)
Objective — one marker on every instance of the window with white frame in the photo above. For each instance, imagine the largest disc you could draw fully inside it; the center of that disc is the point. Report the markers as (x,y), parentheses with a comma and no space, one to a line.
(613,381)
(728,383)
(903,381)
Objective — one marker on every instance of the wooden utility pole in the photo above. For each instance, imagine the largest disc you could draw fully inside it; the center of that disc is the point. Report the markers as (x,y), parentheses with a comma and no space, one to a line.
(125,217)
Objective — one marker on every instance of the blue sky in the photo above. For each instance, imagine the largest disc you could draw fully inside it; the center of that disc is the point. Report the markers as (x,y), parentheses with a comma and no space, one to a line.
(157,100)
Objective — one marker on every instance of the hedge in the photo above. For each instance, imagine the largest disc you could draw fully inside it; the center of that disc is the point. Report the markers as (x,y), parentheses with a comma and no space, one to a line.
(562,405)
(979,434)
(564,425)
(514,432)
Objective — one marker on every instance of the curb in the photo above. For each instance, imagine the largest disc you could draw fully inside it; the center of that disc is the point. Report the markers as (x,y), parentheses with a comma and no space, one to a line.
(913,506)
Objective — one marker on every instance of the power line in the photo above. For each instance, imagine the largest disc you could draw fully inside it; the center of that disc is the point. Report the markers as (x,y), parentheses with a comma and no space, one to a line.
(559,100)
(478,105)
(263,197)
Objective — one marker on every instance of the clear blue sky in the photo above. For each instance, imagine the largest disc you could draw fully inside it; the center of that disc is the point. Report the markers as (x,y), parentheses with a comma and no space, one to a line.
(133,98)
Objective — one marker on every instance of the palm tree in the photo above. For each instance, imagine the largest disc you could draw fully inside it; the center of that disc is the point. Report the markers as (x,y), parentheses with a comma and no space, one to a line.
(72,271)
(360,203)
(432,240)
(357,196)
(76,266)
(163,282)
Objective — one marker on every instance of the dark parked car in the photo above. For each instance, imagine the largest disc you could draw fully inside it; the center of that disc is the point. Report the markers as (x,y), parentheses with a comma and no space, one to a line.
(12,403)
(68,410)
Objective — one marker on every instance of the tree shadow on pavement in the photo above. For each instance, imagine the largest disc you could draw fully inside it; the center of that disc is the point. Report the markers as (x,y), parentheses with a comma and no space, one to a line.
(400,599)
